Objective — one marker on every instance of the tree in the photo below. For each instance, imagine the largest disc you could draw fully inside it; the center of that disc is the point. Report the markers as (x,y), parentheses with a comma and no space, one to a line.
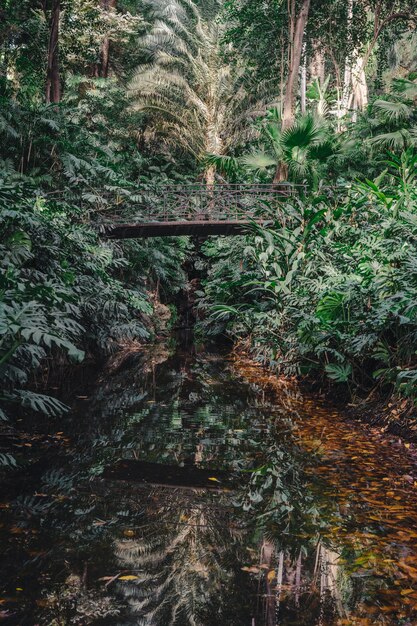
(297,26)
(103,66)
(193,97)
(302,149)
(53,80)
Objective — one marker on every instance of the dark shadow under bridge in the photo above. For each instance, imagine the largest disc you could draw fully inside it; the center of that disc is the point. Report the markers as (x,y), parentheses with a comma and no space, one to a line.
(198,210)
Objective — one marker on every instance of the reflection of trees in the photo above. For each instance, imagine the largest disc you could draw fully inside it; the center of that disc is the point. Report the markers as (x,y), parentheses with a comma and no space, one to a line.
(301,575)
(187,551)
(184,410)
(310,589)
(187,564)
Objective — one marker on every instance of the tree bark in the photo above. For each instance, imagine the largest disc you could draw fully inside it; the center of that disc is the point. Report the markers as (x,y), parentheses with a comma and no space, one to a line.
(359,85)
(344,106)
(317,66)
(296,45)
(294,69)
(103,68)
(53,80)
(303,86)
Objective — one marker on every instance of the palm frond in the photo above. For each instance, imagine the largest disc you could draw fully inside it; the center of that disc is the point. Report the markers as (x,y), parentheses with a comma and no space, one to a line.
(304,132)
(393,112)
(226,164)
(258,160)
(395,140)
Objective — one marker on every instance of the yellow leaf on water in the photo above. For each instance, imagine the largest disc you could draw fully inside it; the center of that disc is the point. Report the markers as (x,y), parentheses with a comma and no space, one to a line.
(271,575)
(214,479)
(406,592)
(251,570)
(128,577)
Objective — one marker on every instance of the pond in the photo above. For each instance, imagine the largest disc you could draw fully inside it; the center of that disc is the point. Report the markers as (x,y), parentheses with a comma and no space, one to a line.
(191,488)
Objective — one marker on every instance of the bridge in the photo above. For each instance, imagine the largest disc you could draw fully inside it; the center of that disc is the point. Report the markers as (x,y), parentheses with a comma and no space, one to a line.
(199,210)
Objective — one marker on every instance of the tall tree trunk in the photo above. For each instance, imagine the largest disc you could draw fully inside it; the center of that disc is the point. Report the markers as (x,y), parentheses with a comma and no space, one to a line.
(294,69)
(348,67)
(303,85)
(317,65)
(103,69)
(359,85)
(356,89)
(53,81)
(296,45)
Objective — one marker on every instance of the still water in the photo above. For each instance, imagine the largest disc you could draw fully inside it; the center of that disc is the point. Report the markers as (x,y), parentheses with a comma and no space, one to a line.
(187,488)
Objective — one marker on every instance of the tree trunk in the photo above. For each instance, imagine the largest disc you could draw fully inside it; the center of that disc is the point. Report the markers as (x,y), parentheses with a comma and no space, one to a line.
(296,45)
(356,88)
(359,85)
(210,175)
(317,66)
(281,173)
(53,83)
(303,86)
(103,68)
(294,69)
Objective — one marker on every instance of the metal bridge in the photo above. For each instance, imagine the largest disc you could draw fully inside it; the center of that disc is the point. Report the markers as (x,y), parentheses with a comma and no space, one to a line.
(200,210)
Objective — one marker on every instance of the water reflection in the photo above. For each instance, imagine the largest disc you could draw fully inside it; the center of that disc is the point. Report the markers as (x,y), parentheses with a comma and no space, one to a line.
(277,542)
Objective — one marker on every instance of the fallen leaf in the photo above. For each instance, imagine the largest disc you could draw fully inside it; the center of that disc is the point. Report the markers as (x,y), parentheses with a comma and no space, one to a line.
(271,575)
(251,570)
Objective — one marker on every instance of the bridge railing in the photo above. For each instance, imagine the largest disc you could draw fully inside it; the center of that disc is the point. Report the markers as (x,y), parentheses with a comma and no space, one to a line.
(216,203)
(188,203)
(199,202)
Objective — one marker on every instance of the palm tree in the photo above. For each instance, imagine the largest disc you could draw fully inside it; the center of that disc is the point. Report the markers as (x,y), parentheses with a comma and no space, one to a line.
(296,152)
(194,99)
(393,120)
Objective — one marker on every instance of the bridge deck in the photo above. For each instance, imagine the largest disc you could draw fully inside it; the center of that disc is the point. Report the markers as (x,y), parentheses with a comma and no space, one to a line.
(198,228)
(199,209)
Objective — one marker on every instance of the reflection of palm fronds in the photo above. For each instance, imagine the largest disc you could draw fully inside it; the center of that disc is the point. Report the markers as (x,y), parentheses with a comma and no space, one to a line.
(179,568)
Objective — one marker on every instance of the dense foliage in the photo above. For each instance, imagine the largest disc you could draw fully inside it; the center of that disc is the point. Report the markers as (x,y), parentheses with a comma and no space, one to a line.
(329,287)
(67,293)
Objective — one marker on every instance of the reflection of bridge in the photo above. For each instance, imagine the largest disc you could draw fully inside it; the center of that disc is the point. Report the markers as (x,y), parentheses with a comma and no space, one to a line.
(199,210)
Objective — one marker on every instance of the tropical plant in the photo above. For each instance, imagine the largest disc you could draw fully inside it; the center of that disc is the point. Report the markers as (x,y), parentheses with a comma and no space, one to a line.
(329,288)
(391,123)
(194,98)
(61,289)
(302,150)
